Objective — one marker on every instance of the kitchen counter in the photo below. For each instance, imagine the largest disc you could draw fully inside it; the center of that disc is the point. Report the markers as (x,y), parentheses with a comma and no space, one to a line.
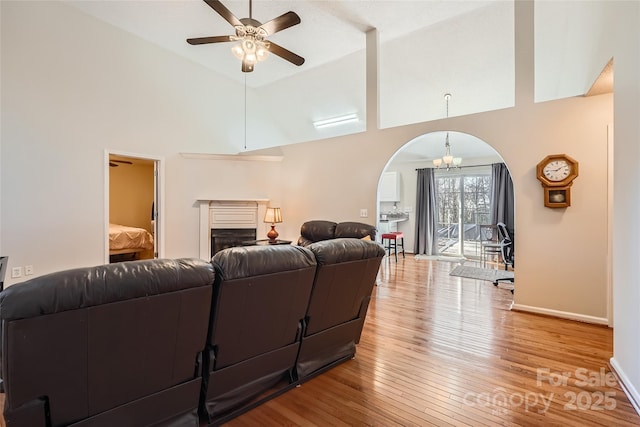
(394,217)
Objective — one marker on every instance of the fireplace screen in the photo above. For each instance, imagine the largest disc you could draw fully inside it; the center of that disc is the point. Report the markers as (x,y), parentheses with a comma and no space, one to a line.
(223,238)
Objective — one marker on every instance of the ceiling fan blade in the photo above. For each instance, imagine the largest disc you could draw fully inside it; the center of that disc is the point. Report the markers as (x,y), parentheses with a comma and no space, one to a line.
(224,12)
(121,161)
(247,67)
(205,40)
(285,54)
(280,23)
(113,165)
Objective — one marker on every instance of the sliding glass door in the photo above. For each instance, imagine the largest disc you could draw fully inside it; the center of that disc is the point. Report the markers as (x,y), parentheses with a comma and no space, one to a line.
(463,206)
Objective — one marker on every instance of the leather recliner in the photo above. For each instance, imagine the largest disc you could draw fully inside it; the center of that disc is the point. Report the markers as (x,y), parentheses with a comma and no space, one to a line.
(345,276)
(319,230)
(113,345)
(260,299)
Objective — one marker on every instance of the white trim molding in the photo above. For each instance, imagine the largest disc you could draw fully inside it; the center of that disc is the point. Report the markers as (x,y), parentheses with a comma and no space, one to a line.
(626,385)
(562,314)
(159,198)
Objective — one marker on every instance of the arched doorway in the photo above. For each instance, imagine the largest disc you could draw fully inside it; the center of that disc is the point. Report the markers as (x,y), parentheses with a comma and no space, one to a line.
(464,192)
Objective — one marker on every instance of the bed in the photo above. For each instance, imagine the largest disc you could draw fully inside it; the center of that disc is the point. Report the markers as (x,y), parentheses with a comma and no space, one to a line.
(125,240)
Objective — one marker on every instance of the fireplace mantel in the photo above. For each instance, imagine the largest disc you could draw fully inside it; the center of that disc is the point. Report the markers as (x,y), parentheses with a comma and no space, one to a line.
(205,219)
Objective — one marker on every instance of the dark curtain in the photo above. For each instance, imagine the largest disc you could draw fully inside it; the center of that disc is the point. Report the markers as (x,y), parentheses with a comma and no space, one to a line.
(502,199)
(426,241)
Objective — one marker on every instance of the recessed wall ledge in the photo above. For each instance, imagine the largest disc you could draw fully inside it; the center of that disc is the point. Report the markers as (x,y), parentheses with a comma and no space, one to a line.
(232,199)
(236,157)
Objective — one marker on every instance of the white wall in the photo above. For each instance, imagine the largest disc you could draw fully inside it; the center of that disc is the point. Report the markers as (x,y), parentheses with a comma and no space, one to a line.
(626,227)
(72,87)
(470,56)
(201,179)
(338,187)
(574,42)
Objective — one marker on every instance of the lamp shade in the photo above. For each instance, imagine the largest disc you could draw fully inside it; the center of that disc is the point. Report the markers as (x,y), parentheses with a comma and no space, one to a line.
(273,215)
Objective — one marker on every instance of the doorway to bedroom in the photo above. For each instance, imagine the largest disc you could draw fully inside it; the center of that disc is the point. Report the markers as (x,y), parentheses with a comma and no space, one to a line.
(132,207)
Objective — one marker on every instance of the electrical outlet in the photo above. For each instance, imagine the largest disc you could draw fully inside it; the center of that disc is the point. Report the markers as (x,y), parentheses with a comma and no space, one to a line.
(16,272)
(28,270)
(364,213)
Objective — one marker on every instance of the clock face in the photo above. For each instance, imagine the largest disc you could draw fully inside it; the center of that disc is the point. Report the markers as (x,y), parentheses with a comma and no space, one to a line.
(556,170)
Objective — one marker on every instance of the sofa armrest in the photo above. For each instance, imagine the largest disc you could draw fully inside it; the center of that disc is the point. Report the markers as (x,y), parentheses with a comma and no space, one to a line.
(317,230)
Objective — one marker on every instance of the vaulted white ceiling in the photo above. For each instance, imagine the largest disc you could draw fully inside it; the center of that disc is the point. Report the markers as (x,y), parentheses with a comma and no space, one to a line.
(329,29)
(427,48)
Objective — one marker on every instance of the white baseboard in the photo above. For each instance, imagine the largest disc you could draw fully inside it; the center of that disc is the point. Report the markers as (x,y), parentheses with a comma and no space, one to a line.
(562,314)
(627,386)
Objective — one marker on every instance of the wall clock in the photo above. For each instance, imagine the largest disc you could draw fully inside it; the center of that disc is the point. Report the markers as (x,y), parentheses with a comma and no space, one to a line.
(556,173)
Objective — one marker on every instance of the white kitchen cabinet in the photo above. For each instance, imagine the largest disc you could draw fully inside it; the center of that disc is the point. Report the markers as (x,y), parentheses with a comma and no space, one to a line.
(390,187)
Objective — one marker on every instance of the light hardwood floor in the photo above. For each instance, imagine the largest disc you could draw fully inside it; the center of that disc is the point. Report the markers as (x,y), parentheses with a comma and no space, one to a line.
(443,350)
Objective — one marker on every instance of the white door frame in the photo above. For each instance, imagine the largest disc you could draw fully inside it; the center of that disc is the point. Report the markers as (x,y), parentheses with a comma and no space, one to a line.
(158,199)
(610,301)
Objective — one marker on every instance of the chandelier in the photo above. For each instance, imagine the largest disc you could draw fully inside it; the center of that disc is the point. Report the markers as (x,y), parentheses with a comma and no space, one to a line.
(447,160)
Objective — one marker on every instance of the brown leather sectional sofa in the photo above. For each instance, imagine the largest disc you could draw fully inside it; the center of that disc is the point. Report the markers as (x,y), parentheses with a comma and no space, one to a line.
(181,342)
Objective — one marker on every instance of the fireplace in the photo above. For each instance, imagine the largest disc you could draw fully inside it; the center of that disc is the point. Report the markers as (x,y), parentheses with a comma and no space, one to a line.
(223,238)
(228,223)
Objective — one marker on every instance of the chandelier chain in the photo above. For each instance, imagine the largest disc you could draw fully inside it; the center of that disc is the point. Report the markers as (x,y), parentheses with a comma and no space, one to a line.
(447,160)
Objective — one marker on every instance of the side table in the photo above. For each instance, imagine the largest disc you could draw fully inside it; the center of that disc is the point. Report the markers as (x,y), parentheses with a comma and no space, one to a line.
(265,242)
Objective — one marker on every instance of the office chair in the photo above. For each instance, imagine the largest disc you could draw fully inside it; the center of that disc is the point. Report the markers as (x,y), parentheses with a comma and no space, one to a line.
(506,251)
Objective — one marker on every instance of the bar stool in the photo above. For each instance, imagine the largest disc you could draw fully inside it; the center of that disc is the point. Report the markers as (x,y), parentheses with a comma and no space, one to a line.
(393,236)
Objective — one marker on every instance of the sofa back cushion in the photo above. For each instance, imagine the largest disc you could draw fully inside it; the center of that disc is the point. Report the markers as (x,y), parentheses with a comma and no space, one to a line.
(356,230)
(260,298)
(346,272)
(86,287)
(91,339)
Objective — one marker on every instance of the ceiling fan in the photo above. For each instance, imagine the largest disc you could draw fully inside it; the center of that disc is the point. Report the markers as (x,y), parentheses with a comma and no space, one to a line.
(252,35)
(114,163)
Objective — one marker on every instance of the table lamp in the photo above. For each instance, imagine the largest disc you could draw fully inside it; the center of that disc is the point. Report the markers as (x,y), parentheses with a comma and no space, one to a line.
(273,216)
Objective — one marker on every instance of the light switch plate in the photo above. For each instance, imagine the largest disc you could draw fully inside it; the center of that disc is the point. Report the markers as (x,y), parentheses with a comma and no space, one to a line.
(364,213)
(16,272)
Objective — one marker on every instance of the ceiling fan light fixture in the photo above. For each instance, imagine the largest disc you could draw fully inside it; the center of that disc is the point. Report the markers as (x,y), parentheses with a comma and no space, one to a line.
(248,46)
(250,58)
(237,51)
(250,50)
(262,53)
